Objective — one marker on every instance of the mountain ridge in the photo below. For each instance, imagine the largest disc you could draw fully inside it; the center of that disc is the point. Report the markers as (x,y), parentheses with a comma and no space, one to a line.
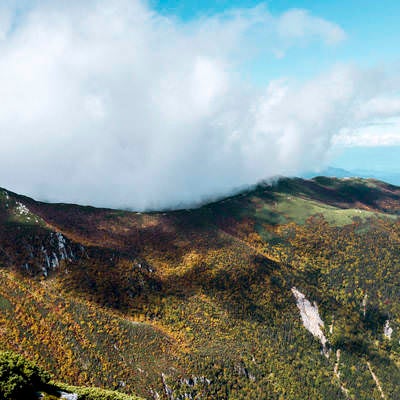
(201,302)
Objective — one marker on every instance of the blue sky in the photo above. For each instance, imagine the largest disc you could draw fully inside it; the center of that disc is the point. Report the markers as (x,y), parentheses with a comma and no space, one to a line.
(372,40)
(361,158)
(372,27)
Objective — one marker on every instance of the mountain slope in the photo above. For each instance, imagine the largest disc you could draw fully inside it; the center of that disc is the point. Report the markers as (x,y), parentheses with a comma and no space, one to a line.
(215,302)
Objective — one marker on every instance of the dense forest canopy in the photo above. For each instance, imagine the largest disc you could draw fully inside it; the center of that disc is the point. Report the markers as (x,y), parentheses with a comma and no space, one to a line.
(287,291)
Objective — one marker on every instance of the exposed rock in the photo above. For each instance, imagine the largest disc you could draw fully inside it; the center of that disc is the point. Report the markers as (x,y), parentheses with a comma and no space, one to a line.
(387,330)
(336,374)
(364,305)
(68,396)
(376,380)
(311,318)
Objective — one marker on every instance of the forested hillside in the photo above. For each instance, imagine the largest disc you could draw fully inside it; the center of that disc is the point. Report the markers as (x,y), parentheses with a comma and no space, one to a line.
(286,291)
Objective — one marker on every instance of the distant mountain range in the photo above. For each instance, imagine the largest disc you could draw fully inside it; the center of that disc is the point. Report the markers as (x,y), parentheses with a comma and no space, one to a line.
(386,176)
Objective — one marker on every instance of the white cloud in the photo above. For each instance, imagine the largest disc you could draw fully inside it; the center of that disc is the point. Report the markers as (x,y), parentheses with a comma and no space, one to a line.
(112,104)
(380,107)
(385,132)
(299,24)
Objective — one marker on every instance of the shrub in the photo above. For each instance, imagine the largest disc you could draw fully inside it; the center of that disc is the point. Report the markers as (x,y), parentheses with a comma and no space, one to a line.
(19,378)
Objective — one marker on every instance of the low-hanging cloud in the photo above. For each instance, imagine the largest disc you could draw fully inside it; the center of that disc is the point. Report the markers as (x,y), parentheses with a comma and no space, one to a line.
(112,104)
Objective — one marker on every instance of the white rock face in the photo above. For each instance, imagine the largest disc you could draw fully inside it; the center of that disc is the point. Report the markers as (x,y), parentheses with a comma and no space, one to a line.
(68,396)
(22,209)
(310,317)
(387,330)
(331,325)
(364,304)
(61,246)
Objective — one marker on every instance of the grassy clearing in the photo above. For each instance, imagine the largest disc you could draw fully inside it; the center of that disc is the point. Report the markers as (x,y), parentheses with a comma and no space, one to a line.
(298,210)
(17,212)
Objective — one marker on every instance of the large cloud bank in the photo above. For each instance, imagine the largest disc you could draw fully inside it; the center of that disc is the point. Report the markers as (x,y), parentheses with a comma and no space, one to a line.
(111,104)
